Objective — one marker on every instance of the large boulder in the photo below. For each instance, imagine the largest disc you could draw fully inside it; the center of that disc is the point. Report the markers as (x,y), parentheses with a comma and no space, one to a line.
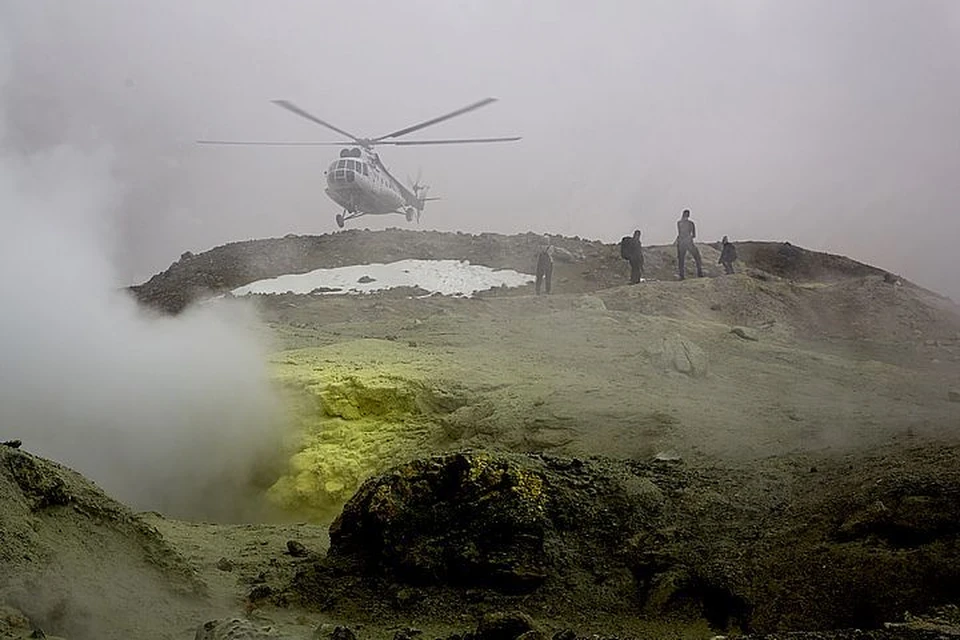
(459,520)
(684,356)
(472,527)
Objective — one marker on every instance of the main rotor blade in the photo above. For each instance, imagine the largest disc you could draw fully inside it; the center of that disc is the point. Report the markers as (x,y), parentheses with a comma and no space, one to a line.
(292,108)
(267,143)
(452,114)
(401,143)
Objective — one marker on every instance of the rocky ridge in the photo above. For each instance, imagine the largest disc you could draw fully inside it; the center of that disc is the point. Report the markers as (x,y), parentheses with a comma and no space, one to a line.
(583,266)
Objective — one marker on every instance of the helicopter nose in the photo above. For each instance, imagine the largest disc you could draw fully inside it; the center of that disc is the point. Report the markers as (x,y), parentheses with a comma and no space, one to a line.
(338,177)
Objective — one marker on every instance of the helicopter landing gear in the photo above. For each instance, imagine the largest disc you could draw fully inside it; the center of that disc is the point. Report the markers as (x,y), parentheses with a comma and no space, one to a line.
(340,220)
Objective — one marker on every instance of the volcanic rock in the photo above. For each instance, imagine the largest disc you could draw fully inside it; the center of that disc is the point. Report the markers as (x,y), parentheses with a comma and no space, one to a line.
(503,626)
(296,549)
(682,355)
(659,540)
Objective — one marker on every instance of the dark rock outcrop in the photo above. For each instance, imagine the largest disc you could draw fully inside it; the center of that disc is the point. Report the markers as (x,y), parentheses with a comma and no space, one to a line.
(476,531)
(471,521)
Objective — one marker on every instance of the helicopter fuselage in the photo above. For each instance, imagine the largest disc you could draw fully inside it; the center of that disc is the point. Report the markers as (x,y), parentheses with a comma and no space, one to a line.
(359,185)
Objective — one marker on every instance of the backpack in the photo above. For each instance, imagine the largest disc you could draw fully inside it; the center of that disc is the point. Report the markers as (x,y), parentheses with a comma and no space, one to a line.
(625,248)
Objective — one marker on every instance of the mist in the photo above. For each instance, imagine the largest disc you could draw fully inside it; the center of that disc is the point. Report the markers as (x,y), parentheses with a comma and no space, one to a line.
(828,125)
(165,414)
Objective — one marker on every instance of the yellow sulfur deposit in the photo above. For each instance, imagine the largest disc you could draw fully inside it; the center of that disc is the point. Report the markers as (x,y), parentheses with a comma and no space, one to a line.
(358,408)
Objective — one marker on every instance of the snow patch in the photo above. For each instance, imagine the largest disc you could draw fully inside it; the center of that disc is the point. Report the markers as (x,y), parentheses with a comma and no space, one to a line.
(449,277)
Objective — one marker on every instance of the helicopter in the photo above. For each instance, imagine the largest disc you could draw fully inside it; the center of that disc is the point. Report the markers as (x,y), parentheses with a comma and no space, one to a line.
(358,181)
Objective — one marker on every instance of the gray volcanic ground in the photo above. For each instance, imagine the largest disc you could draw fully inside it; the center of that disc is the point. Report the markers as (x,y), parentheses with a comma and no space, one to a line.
(627,460)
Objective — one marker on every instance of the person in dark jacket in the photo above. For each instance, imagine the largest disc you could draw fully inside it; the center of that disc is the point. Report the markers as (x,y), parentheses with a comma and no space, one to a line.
(686,235)
(633,252)
(545,268)
(728,255)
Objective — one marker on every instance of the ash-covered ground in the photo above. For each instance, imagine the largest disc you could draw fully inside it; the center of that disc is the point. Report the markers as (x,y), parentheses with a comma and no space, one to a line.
(765,452)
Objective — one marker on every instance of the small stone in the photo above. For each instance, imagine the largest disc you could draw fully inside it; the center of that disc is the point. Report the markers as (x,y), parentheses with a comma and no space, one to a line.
(232,628)
(504,626)
(342,633)
(667,456)
(474,595)
(260,592)
(744,333)
(566,634)
(224,565)
(296,549)
(407,597)
(953,395)
(366,279)
(323,631)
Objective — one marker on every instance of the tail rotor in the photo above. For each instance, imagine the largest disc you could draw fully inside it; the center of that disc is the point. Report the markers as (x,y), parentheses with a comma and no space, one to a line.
(419,191)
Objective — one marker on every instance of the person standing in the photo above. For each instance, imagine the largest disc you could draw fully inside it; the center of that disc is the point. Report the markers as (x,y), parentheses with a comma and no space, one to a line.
(686,235)
(545,268)
(728,255)
(631,249)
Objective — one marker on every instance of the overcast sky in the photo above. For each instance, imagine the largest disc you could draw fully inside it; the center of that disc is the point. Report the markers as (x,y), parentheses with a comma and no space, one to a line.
(834,125)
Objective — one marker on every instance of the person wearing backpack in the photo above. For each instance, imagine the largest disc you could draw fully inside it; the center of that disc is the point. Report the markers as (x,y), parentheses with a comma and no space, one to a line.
(631,249)
(728,255)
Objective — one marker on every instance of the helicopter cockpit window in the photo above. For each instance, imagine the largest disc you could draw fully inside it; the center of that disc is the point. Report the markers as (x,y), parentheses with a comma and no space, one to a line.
(341,164)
